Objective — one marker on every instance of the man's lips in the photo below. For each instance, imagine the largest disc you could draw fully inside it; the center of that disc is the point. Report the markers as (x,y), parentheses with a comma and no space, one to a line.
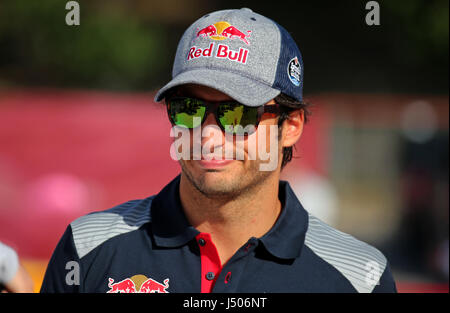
(213,163)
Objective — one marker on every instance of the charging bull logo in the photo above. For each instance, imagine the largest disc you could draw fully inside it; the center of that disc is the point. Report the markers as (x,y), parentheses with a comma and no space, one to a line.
(223,30)
(138,284)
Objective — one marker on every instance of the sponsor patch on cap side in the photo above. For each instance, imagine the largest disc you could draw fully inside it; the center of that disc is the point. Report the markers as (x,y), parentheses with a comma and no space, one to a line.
(294,71)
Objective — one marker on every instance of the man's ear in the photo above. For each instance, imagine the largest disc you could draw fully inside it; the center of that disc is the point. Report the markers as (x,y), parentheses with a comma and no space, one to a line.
(293,128)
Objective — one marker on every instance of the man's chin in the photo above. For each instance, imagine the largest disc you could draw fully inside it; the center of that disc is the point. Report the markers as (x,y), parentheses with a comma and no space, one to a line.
(217,183)
(213,181)
(225,180)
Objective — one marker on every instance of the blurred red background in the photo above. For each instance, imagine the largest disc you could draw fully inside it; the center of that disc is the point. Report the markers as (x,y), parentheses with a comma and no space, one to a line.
(64,154)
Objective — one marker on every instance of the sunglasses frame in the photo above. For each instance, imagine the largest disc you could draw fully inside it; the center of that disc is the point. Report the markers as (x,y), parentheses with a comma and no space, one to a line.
(213,106)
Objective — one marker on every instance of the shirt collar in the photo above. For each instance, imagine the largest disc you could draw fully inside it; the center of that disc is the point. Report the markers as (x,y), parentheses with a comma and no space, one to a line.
(169,224)
(284,240)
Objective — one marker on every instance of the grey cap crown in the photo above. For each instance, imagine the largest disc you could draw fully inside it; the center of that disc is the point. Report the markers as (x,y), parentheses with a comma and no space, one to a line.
(243,64)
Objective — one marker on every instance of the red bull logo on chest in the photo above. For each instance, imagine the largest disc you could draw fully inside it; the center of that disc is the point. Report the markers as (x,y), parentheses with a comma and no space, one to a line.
(138,284)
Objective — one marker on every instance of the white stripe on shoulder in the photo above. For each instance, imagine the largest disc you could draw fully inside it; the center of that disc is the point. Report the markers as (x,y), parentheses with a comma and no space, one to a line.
(359,262)
(93,229)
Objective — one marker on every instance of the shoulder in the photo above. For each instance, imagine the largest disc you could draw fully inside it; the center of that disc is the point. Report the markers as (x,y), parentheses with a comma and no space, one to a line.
(93,229)
(362,264)
(9,263)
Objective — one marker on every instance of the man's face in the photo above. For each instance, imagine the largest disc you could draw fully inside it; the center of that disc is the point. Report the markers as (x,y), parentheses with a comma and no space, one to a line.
(224,177)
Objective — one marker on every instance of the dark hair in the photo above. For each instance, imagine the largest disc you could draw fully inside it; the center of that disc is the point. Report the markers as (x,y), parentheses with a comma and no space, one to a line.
(288,105)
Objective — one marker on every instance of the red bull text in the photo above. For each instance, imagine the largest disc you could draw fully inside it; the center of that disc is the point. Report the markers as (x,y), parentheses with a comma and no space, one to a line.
(222,52)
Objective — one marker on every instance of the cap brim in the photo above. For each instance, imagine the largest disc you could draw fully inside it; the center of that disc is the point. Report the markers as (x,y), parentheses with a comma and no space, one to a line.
(240,88)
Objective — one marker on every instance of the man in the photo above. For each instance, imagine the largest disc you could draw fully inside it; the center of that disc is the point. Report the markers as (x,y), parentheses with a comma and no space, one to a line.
(224,224)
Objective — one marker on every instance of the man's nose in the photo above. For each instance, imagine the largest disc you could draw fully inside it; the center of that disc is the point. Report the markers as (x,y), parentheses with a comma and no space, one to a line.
(210,120)
(210,129)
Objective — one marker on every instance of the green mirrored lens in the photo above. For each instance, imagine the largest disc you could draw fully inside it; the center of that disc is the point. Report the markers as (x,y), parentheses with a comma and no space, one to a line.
(235,117)
(187,112)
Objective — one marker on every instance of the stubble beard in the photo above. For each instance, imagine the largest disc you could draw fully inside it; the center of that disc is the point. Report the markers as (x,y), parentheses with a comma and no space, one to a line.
(229,186)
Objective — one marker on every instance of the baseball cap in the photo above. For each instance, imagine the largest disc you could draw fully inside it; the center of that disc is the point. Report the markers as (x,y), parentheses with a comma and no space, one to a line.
(241,53)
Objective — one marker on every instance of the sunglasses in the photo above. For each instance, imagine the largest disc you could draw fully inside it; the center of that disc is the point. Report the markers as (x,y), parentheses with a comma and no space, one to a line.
(231,116)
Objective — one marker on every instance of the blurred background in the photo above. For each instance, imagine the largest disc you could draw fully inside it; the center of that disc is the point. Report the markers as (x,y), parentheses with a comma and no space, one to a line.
(79,131)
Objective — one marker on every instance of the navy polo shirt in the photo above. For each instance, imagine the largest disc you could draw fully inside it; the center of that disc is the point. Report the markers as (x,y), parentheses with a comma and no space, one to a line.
(149,246)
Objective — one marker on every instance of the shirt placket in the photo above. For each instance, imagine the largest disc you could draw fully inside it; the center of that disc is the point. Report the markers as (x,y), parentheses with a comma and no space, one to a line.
(210,262)
(214,277)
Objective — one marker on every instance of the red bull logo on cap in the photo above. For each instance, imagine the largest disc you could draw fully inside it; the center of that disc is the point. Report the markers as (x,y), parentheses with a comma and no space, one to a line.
(138,284)
(222,52)
(223,30)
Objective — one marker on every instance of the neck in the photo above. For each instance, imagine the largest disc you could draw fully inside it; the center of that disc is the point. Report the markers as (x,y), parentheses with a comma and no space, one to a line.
(232,221)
